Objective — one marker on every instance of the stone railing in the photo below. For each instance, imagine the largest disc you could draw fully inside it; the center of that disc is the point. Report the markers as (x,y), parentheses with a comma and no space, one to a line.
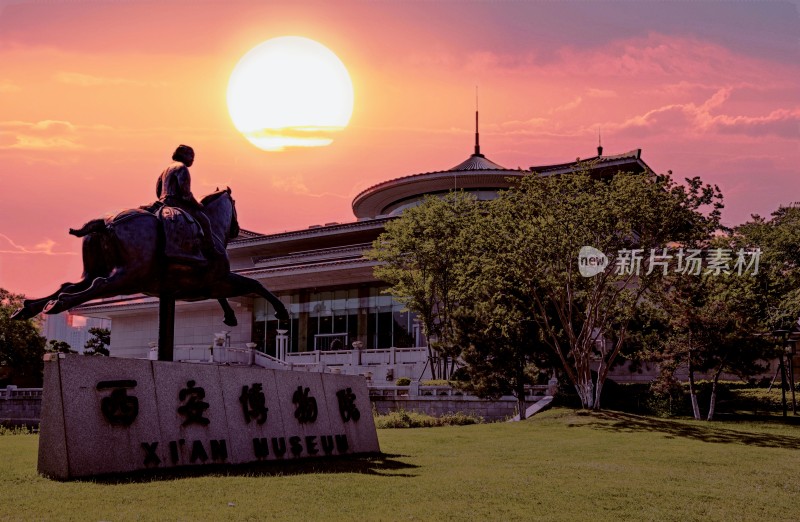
(359,357)
(415,390)
(20,406)
(441,400)
(204,353)
(12,392)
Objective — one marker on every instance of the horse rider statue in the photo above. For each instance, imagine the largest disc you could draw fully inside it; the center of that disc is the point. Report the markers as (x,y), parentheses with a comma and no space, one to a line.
(174,189)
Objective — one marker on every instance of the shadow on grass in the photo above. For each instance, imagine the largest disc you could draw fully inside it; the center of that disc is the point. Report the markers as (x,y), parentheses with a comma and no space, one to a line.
(378,464)
(713,432)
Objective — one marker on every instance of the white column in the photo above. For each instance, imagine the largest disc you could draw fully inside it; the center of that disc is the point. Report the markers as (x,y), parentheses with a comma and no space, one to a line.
(251,355)
(282,341)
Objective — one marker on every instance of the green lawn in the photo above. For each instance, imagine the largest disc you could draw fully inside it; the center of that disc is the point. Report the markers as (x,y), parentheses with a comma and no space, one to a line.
(557,466)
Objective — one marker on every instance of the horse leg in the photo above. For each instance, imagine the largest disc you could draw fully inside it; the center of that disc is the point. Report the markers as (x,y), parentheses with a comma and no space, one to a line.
(236,285)
(93,266)
(230,316)
(119,282)
(33,307)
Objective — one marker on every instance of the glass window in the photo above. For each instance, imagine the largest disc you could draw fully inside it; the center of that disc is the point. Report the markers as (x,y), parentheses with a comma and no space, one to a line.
(330,320)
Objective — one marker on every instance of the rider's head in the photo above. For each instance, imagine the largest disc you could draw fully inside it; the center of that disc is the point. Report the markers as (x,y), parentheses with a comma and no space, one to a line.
(184,154)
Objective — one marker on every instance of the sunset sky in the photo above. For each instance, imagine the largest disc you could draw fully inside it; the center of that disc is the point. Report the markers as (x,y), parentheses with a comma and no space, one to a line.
(95,95)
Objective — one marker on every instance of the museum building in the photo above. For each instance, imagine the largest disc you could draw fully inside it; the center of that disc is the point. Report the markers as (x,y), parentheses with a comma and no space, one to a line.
(340,316)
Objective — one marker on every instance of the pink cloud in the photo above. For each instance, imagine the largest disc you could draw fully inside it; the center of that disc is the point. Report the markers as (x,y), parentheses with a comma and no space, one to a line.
(593,92)
(572,104)
(44,247)
(705,118)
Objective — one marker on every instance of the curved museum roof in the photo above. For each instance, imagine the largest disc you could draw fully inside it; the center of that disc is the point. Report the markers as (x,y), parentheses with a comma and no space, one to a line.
(476,174)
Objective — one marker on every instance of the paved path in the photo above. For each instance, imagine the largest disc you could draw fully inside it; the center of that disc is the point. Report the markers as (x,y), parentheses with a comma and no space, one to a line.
(540,405)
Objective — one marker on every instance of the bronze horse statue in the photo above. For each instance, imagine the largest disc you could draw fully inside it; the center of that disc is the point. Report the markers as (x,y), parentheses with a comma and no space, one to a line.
(124,255)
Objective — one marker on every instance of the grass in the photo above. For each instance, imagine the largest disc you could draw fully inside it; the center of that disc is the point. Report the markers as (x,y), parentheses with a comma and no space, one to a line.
(560,465)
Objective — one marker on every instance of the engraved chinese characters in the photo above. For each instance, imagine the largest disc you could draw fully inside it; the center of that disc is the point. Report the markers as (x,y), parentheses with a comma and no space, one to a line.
(254,403)
(158,415)
(193,405)
(119,409)
(347,405)
(305,406)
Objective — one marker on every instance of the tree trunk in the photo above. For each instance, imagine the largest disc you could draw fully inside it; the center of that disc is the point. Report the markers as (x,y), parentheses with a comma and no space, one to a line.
(692,392)
(712,403)
(602,371)
(585,389)
(520,393)
(598,389)
(430,357)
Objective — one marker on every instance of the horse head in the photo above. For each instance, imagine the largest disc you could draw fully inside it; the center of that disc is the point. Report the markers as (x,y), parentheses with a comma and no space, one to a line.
(221,211)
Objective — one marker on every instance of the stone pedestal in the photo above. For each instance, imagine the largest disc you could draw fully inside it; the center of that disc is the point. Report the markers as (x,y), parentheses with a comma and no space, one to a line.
(113,416)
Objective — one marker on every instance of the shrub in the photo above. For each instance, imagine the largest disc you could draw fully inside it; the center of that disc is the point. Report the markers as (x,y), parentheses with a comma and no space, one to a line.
(404,419)
(403,381)
(15,430)
(460,419)
(759,400)
(412,419)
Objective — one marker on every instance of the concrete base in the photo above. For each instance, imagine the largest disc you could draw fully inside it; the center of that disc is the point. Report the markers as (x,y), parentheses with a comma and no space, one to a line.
(105,416)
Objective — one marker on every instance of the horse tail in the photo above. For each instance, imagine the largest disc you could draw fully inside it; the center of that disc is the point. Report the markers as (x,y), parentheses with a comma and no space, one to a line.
(93,226)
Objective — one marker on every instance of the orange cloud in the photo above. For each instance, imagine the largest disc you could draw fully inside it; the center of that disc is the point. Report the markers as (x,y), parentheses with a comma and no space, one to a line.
(42,135)
(296,185)
(88,80)
(7,86)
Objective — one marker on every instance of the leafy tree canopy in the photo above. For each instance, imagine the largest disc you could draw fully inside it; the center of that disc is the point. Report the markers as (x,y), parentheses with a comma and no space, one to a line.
(98,343)
(21,345)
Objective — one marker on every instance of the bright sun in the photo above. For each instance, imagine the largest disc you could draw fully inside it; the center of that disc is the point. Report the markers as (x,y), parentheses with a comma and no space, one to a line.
(290,92)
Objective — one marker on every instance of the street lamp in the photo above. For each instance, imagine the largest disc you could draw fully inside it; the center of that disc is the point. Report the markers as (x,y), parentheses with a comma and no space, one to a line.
(791,351)
(781,335)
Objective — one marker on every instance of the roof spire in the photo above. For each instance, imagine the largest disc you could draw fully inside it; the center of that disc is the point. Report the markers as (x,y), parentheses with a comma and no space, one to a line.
(477,135)
(599,143)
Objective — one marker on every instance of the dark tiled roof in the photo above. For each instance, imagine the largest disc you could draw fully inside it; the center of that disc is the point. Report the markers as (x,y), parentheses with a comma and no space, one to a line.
(311,231)
(263,272)
(630,155)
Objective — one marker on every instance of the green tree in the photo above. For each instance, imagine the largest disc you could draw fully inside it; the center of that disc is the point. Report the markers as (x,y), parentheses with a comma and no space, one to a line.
(421,253)
(21,345)
(537,230)
(98,343)
(500,341)
(714,326)
(57,346)
(778,279)
(500,349)
(777,283)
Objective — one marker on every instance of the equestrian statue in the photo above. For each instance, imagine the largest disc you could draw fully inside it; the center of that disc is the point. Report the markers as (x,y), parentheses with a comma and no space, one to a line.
(174,248)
